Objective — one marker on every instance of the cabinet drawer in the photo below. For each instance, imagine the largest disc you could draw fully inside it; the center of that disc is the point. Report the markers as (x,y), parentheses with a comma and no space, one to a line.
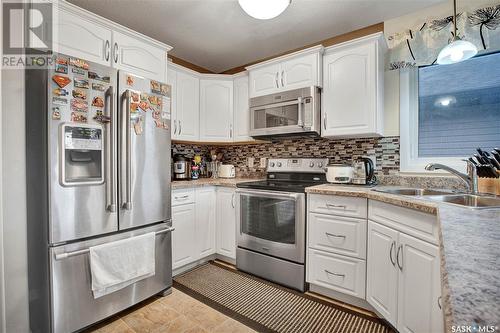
(182,197)
(342,235)
(336,272)
(338,205)
(409,221)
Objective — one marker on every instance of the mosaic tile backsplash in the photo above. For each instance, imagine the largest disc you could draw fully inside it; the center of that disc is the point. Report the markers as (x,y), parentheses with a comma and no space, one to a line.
(386,151)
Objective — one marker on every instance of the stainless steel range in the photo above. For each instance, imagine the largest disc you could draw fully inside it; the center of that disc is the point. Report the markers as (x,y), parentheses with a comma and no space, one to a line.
(271,220)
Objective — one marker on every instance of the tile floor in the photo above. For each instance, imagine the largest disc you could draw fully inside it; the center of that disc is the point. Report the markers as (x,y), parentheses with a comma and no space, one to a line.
(176,313)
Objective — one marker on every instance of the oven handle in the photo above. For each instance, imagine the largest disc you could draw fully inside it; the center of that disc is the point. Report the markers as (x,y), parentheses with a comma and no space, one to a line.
(270,194)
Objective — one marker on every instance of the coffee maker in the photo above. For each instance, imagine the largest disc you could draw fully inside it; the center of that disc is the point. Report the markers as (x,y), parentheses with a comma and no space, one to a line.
(364,172)
(181,167)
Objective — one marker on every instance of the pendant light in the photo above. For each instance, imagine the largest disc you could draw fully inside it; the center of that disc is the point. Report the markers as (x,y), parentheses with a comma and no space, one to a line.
(458,50)
(264,9)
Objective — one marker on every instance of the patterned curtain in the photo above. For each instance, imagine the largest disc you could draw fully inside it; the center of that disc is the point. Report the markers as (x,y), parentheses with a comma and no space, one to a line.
(421,45)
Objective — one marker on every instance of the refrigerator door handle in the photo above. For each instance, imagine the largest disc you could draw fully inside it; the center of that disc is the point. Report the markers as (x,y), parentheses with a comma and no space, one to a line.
(125,131)
(111,150)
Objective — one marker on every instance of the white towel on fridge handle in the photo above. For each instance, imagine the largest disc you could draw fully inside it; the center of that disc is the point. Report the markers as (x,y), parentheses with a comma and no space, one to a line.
(118,264)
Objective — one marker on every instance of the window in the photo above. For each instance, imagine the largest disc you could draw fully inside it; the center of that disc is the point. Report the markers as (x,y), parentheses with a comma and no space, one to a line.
(448,111)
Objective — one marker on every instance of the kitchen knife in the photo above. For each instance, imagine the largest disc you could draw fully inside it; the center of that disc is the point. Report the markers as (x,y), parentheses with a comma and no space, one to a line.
(494,162)
(496,155)
(479,159)
(472,161)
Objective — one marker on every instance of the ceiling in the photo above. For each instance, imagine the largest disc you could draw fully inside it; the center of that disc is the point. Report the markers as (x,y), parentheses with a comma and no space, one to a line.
(218,35)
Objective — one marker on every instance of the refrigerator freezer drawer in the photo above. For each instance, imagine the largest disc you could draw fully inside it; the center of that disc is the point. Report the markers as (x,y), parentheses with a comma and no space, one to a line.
(73,303)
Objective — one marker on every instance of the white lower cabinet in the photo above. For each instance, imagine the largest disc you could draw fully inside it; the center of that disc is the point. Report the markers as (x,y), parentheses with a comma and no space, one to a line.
(382,273)
(205,224)
(340,273)
(183,249)
(206,215)
(403,280)
(226,222)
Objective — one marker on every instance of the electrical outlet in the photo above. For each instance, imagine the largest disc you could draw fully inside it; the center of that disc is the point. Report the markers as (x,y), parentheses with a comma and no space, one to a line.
(263,162)
(250,162)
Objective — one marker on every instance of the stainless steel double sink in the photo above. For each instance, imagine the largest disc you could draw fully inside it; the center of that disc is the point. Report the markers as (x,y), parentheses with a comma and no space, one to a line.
(449,197)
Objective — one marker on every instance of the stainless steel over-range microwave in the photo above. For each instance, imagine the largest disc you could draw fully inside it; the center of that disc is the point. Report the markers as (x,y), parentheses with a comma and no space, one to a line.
(291,112)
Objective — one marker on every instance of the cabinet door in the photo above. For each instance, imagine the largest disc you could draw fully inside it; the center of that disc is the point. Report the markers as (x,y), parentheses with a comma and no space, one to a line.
(226,222)
(419,287)
(172,81)
(216,110)
(241,110)
(265,80)
(138,57)
(349,91)
(183,243)
(299,72)
(205,221)
(188,107)
(78,37)
(382,271)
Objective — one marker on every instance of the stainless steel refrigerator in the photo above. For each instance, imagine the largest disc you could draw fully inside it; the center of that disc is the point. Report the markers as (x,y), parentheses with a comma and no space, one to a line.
(98,170)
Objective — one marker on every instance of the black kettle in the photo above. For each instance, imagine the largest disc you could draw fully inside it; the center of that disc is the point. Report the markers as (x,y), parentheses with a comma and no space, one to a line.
(364,171)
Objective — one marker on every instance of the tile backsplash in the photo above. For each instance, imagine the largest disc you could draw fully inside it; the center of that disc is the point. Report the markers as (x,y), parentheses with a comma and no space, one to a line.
(386,151)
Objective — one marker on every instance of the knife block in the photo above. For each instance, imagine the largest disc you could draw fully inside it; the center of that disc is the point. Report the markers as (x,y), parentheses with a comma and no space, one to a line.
(489,185)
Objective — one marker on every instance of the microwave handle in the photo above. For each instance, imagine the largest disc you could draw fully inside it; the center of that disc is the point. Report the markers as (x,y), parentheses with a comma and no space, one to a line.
(300,116)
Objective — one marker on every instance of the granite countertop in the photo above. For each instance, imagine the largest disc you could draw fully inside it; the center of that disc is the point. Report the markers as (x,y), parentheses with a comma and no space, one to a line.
(470,252)
(226,182)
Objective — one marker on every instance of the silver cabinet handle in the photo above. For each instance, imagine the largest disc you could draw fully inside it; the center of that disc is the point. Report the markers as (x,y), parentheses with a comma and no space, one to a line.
(175,127)
(106,50)
(400,248)
(282,80)
(230,130)
(182,197)
(276,79)
(180,128)
(439,303)
(127,173)
(232,200)
(335,206)
(393,244)
(111,162)
(115,52)
(324,121)
(333,235)
(335,274)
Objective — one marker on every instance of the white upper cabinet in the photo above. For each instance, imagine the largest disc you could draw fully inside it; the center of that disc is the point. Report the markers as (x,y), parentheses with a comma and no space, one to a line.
(353,74)
(297,70)
(82,34)
(265,80)
(241,109)
(216,109)
(300,72)
(185,103)
(139,56)
(80,37)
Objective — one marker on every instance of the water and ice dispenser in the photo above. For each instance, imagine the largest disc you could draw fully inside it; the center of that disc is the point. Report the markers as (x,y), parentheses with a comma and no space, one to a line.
(82,154)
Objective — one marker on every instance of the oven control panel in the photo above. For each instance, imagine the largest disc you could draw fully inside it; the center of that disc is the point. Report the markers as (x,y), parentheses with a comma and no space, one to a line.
(316,165)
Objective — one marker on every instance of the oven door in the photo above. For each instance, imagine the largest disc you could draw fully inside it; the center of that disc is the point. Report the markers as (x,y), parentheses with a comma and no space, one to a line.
(272,223)
(278,118)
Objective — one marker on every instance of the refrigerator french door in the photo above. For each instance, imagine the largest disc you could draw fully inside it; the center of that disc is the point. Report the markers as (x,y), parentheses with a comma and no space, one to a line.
(143,151)
(98,170)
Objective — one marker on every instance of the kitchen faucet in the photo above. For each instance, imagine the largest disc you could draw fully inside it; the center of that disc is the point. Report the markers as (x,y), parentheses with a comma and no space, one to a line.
(470,179)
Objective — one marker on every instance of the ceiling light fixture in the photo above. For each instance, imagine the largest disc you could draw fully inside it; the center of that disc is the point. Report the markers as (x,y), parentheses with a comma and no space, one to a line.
(458,50)
(264,9)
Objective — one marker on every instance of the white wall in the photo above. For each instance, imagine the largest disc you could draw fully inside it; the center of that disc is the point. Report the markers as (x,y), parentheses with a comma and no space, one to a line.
(2,293)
